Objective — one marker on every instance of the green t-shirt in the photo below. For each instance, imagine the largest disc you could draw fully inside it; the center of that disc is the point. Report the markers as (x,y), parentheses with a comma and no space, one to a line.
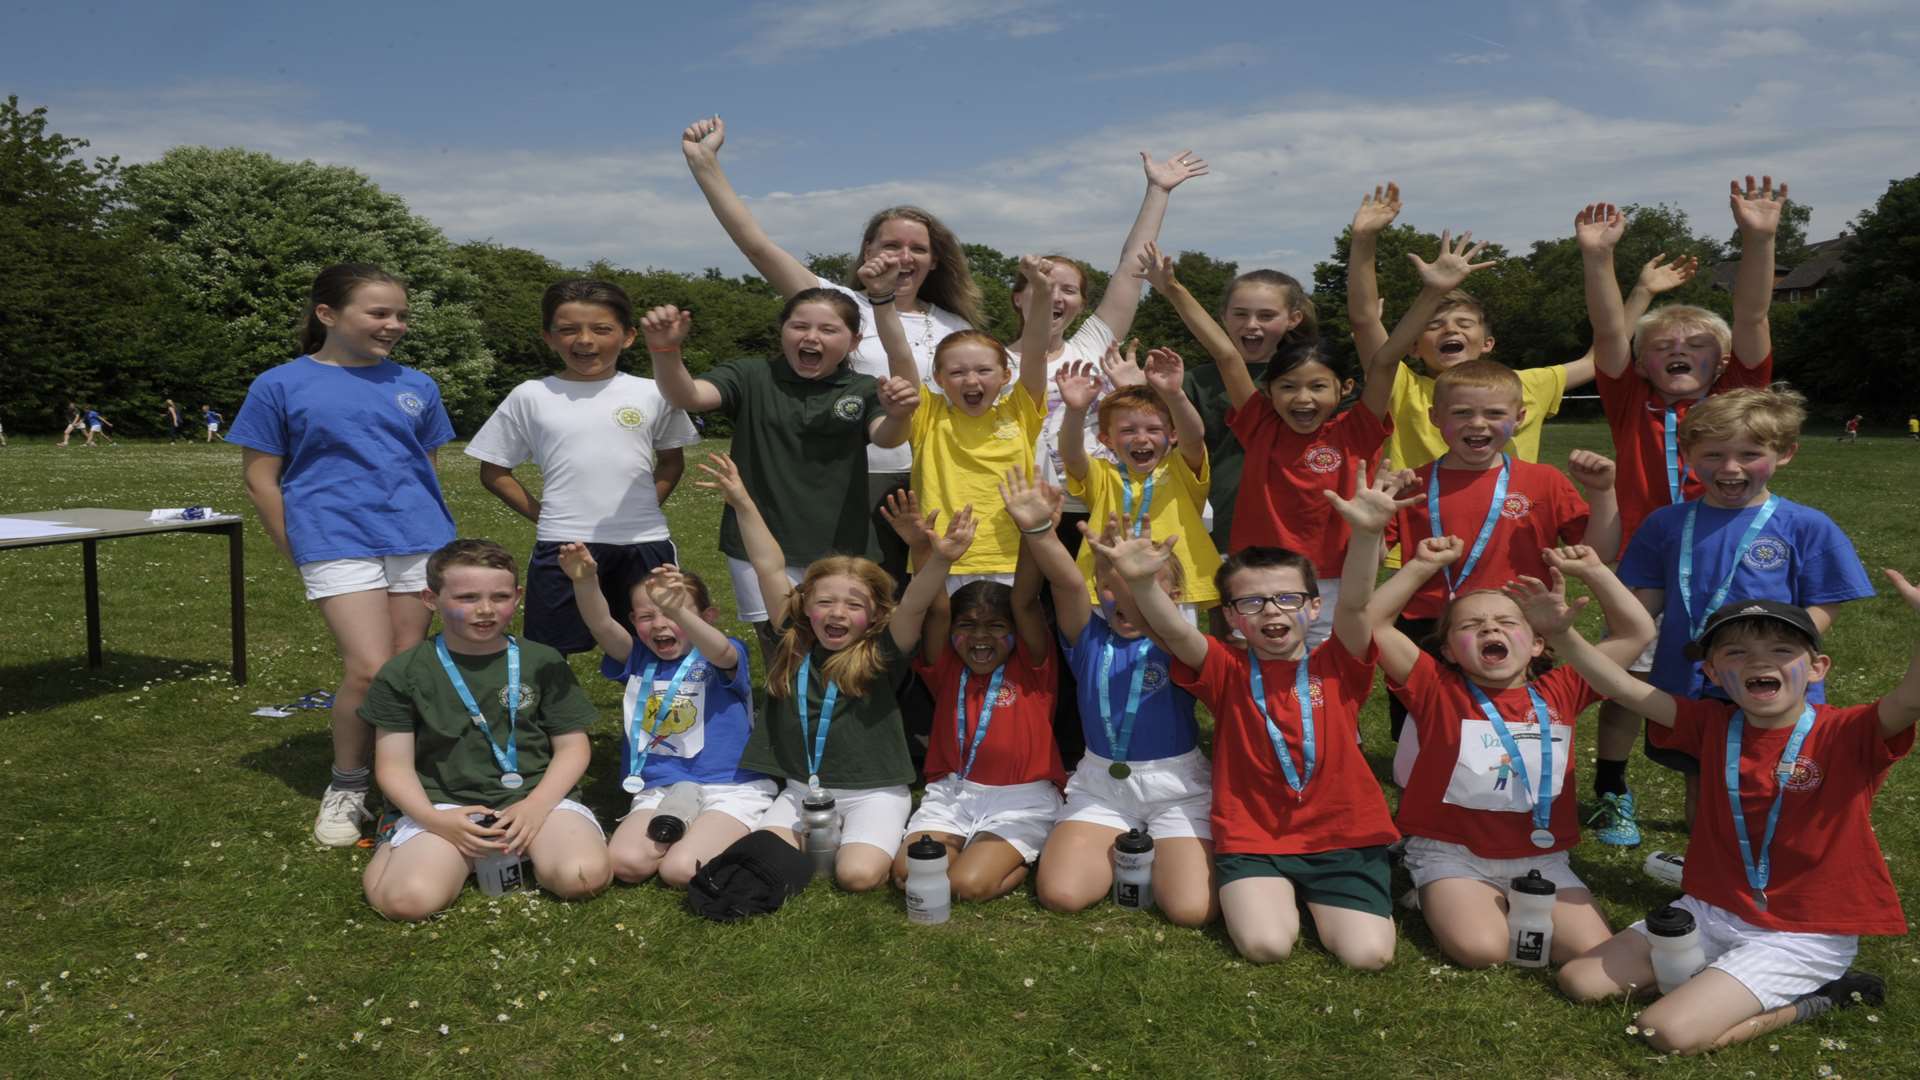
(866,741)
(1208,393)
(801,445)
(412,693)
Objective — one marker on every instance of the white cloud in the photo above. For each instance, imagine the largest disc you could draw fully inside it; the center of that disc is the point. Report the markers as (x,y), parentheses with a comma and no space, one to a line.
(1216,58)
(783,30)
(1491,56)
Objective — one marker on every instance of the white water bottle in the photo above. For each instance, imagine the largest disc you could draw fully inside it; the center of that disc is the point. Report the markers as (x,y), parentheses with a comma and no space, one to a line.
(676,811)
(1133,870)
(929,895)
(1677,953)
(1530,920)
(1665,867)
(500,874)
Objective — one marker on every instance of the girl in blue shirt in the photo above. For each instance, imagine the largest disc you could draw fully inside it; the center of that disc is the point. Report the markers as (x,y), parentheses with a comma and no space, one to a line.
(338,458)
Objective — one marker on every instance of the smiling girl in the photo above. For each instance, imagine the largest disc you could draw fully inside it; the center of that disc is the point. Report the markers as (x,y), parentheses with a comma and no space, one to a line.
(338,458)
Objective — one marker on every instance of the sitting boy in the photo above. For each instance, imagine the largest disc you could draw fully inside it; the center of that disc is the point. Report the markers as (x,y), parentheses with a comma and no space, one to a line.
(479,738)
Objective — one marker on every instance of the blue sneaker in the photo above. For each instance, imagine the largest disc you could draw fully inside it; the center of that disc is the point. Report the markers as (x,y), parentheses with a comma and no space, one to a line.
(1615,821)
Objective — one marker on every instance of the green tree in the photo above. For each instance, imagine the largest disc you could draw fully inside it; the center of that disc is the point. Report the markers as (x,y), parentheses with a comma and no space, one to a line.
(1157,324)
(1857,347)
(507,283)
(1790,243)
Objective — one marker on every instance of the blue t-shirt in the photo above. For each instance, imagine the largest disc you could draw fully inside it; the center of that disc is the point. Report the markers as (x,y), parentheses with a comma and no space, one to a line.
(706,728)
(210,416)
(93,418)
(1164,726)
(356,477)
(1800,557)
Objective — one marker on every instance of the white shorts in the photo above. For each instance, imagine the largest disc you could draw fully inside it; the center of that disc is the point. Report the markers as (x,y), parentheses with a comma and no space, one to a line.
(406,828)
(1168,797)
(402,574)
(876,816)
(956,581)
(1429,860)
(747,601)
(1020,814)
(213,429)
(743,803)
(1776,966)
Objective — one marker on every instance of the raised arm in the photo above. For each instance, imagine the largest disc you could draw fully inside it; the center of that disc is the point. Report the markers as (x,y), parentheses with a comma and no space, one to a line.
(577,562)
(1603,672)
(1158,269)
(1376,212)
(666,329)
(1122,298)
(1398,652)
(763,551)
(261,474)
(1597,229)
(1034,507)
(1437,278)
(898,399)
(901,509)
(1366,514)
(1629,625)
(1900,707)
(673,594)
(1596,473)
(1036,317)
(930,579)
(1756,213)
(507,488)
(1137,560)
(1078,385)
(877,277)
(701,143)
(1167,373)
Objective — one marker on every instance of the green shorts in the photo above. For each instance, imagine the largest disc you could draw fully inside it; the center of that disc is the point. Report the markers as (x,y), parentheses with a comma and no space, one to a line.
(1353,878)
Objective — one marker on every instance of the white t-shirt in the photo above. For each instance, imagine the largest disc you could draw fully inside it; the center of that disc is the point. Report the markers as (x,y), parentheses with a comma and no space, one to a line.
(595,444)
(924,333)
(1088,344)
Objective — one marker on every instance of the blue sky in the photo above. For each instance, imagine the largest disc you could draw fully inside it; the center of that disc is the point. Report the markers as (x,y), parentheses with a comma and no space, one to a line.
(557,127)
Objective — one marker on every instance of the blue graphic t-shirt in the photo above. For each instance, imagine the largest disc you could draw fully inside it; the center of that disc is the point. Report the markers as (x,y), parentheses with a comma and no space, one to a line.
(1163,728)
(701,735)
(355,476)
(1799,557)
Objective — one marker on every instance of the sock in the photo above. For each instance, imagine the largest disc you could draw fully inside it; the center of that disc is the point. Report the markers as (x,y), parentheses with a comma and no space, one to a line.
(1609,777)
(360,779)
(1853,988)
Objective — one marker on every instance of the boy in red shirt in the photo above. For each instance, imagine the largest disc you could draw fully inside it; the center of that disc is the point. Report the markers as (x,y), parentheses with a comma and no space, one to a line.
(1683,355)
(1783,871)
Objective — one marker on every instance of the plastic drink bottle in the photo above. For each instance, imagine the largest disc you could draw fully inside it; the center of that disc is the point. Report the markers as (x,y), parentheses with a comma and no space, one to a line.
(1677,953)
(929,895)
(1530,920)
(500,873)
(1665,867)
(820,831)
(1133,870)
(675,812)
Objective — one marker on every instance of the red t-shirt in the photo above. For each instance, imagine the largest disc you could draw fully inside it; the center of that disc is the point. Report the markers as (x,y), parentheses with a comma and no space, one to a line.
(1638,419)
(1828,874)
(1542,510)
(1019,746)
(1279,502)
(1254,810)
(1463,789)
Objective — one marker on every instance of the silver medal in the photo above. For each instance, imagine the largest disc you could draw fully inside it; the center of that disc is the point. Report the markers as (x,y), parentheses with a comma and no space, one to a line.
(633,784)
(1542,838)
(511,780)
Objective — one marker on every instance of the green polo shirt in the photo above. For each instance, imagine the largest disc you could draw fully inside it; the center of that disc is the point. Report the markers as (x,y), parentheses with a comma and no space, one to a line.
(1208,393)
(801,445)
(866,740)
(450,754)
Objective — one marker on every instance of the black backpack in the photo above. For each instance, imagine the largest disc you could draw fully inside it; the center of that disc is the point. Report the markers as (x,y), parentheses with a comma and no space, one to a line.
(754,876)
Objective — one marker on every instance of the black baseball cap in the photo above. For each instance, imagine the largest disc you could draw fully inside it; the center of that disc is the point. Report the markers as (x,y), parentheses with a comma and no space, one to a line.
(1795,617)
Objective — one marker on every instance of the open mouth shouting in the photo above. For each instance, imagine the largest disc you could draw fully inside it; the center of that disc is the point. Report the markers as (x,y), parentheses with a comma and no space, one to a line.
(1304,417)
(1453,347)
(809,359)
(1733,489)
(1494,651)
(834,633)
(1143,457)
(663,642)
(1763,688)
(973,399)
(1477,442)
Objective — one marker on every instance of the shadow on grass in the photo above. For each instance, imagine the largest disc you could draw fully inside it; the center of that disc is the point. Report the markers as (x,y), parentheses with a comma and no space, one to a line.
(303,761)
(53,683)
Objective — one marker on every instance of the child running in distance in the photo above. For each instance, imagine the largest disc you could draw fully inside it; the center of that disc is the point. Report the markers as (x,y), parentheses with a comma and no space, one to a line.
(1678,356)
(73,423)
(212,420)
(1297,448)
(969,435)
(481,739)
(993,770)
(685,716)
(338,453)
(94,421)
(1160,492)
(1484,702)
(1143,768)
(833,719)
(1783,871)
(801,424)
(1298,818)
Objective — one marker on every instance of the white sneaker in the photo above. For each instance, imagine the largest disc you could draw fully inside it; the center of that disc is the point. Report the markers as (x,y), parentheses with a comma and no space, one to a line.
(341,815)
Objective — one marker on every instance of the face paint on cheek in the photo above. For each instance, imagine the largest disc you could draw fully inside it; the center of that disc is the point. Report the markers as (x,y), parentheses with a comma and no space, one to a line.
(1463,645)
(453,614)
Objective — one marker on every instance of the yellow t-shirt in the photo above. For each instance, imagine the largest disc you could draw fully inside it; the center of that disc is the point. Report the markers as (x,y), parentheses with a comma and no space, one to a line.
(1415,441)
(1179,498)
(959,460)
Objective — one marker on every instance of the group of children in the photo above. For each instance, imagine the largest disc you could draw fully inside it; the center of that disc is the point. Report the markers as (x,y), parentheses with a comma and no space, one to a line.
(911,503)
(87,420)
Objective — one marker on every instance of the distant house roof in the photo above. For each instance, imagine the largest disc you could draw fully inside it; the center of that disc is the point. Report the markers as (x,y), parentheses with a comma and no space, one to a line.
(1822,261)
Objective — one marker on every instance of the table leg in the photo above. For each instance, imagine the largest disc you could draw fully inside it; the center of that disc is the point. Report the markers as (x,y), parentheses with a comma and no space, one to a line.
(237,593)
(90,561)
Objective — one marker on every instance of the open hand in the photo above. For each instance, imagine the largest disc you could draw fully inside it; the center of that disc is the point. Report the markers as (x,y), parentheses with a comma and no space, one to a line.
(1030,503)
(1155,268)
(1078,385)
(1660,276)
(725,479)
(1373,504)
(671,591)
(1377,210)
(953,544)
(1166,372)
(1123,369)
(1171,173)
(576,561)
(1545,605)
(1598,227)
(1452,265)
(901,509)
(1135,558)
(1757,209)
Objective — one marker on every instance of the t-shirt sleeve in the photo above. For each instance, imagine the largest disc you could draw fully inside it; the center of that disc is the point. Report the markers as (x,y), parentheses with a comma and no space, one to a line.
(1831,572)
(728,378)
(563,704)
(435,427)
(1249,422)
(1881,751)
(1196,483)
(1543,388)
(1216,671)
(1029,414)
(262,421)
(674,430)
(925,416)
(1361,432)
(1570,511)
(1356,672)
(502,440)
(740,683)
(1421,693)
(1644,564)
(388,706)
(1692,719)
(618,670)
(1568,690)
(1739,375)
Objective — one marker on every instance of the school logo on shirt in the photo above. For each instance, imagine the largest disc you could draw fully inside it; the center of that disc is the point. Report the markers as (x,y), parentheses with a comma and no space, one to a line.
(410,403)
(1517,506)
(1153,677)
(630,417)
(1006,697)
(1008,429)
(1767,553)
(849,407)
(1323,459)
(529,698)
(1315,695)
(1806,775)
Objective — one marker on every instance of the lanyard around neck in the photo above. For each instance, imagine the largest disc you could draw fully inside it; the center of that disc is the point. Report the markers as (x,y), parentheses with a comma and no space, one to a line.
(1760,871)
(1499,502)
(1696,620)
(509,759)
(814,744)
(966,753)
(1298,781)
(639,746)
(1542,796)
(1118,741)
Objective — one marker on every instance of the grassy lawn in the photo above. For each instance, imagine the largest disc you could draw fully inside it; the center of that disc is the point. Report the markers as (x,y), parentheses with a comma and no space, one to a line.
(165,910)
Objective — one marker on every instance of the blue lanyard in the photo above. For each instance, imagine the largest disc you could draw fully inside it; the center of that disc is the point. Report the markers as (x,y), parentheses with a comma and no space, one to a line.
(1758,874)
(638,749)
(509,761)
(1675,477)
(960,746)
(1126,500)
(1543,798)
(1486,528)
(1137,655)
(1298,781)
(802,683)
(1697,622)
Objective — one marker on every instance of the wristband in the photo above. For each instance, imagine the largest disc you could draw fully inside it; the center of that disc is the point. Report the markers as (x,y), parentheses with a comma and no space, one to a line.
(876,302)
(1047,528)
(667,352)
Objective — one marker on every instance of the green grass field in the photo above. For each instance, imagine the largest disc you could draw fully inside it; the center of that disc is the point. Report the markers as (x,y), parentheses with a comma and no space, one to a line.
(166,912)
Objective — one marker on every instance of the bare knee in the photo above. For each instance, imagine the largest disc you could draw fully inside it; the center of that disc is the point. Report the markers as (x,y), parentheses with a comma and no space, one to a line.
(678,868)
(1677,1040)
(975,886)
(1363,955)
(1264,946)
(579,878)
(1474,952)
(1585,981)
(1064,894)
(857,878)
(1189,911)
(408,902)
(634,866)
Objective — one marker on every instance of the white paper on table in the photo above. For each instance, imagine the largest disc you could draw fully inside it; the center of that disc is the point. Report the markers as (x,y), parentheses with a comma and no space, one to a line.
(34,528)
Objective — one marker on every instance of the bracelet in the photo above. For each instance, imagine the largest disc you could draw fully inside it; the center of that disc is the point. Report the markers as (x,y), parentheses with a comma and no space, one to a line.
(1047,528)
(878,301)
(663,352)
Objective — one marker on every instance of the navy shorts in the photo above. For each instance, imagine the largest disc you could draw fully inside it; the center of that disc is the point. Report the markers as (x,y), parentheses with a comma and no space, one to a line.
(551,617)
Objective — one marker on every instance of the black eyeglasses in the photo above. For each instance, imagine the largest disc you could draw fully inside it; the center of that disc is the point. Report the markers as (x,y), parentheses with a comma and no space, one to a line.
(1254,605)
